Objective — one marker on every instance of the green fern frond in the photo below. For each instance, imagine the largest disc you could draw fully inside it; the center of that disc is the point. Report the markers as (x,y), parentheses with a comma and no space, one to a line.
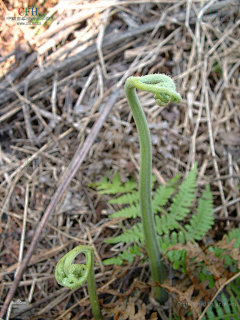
(168,221)
(129,186)
(202,222)
(161,197)
(96,184)
(177,257)
(171,240)
(223,307)
(132,211)
(164,192)
(116,186)
(235,287)
(227,309)
(164,224)
(183,201)
(127,255)
(224,254)
(128,198)
(234,234)
(129,235)
(117,261)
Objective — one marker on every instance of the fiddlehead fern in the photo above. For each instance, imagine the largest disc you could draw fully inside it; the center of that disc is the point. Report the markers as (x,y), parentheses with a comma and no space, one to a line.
(161,85)
(73,276)
(164,91)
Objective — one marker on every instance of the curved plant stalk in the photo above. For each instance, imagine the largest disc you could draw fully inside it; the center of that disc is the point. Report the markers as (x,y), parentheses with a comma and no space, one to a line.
(164,91)
(73,276)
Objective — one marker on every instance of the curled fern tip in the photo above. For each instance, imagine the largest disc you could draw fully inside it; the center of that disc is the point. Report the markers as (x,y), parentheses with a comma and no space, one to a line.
(72,275)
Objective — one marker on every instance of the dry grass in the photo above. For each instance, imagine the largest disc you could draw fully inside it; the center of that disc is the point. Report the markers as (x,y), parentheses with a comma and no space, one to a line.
(65,122)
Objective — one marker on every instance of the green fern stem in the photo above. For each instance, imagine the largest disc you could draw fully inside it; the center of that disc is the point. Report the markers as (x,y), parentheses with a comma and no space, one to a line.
(165,91)
(73,276)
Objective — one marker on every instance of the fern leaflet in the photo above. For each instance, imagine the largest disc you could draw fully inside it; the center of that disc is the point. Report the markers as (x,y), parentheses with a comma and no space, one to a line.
(114,187)
(132,211)
(128,198)
(177,257)
(161,196)
(203,220)
(225,309)
(183,201)
(165,224)
(127,255)
(234,234)
(130,235)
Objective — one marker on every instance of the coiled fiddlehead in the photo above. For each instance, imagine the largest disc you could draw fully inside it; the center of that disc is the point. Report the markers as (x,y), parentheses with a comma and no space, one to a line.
(160,84)
(164,91)
(73,276)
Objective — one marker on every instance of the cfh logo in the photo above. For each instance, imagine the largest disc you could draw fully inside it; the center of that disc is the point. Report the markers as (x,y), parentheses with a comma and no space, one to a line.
(25,11)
